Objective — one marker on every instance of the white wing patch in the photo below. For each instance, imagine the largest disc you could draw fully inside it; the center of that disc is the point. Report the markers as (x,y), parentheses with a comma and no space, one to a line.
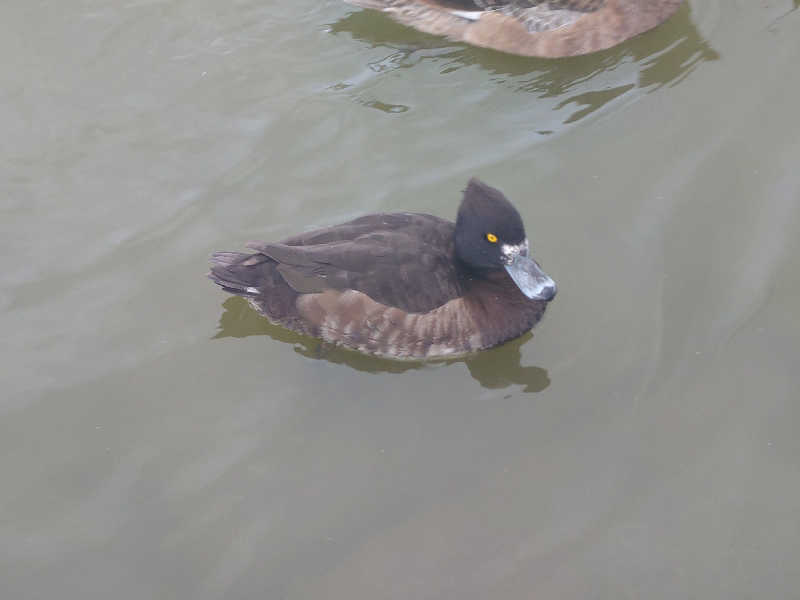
(470,15)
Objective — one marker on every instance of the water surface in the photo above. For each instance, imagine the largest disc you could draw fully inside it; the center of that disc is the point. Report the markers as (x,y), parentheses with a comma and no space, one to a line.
(159,439)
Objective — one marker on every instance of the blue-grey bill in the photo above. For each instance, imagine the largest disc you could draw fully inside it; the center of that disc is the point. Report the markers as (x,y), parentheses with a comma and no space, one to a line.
(530,279)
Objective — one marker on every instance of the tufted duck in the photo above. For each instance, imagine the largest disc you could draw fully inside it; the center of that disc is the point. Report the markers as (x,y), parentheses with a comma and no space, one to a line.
(400,285)
(546,28)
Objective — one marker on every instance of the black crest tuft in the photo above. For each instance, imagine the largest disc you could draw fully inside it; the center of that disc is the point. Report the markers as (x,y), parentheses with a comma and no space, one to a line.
(485,210)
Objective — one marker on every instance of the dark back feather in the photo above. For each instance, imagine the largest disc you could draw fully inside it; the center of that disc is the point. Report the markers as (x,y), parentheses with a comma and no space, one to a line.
(404,260)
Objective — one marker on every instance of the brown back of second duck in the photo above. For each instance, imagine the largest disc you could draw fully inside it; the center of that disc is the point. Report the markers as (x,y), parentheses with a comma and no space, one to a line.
(545,28)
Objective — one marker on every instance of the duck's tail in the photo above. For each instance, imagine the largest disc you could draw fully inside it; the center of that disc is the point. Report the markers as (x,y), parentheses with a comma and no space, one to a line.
(239,273)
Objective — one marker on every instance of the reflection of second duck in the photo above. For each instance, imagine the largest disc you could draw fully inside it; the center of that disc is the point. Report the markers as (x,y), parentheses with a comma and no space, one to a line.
(401,285)
(546,28)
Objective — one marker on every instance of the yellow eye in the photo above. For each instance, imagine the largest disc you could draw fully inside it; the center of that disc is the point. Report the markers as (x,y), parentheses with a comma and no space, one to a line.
(491,237)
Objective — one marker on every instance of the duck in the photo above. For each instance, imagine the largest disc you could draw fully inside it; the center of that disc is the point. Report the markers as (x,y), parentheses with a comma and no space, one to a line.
(400,285)
(543,28)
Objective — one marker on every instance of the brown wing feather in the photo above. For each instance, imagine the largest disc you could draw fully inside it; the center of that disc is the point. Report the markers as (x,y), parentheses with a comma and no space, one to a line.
(546,28)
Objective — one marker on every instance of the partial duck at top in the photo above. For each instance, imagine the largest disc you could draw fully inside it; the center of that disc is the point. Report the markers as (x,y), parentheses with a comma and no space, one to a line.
(545,28)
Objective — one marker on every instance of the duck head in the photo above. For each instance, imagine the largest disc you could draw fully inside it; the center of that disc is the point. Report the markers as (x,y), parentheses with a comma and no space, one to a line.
(490,235)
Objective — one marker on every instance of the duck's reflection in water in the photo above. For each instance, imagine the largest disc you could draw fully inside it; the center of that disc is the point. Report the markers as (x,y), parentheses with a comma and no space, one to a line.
(496,368)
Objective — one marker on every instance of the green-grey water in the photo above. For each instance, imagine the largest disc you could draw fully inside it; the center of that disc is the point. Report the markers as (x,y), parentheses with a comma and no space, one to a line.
(158,439)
